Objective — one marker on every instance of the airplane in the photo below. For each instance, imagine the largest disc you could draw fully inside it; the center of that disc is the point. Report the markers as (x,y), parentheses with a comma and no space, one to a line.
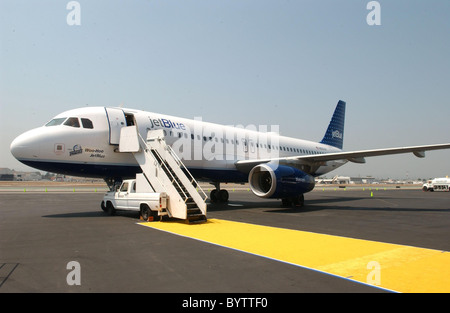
(84,142)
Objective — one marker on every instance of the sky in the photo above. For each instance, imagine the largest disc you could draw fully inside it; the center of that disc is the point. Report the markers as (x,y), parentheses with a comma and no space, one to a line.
(239,62)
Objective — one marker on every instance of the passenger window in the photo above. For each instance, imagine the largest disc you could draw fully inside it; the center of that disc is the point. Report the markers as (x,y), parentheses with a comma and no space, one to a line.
(72,122)
(87,123)
(124,187)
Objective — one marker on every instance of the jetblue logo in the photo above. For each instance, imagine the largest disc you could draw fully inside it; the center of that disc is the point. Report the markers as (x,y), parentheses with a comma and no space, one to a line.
(76,150)
(163,122)
(336,134)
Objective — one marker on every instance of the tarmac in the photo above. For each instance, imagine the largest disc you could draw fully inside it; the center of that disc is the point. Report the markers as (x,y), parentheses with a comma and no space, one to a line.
(393,240)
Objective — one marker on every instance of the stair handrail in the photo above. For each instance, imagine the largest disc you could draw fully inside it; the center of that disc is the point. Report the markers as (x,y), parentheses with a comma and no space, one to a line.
(165,166)
(181,164)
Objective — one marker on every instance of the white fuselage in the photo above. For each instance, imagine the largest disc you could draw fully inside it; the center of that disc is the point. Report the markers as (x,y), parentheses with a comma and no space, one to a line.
(84,142)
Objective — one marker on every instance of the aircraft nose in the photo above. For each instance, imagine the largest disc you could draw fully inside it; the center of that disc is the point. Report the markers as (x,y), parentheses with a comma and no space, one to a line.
(18,146)
(26,145)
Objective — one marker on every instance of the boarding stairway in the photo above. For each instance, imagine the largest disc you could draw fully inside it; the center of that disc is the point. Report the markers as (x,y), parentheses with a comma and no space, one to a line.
(165,172)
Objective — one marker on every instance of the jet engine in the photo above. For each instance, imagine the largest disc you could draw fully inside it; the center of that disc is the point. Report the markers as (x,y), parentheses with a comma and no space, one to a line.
(279,181)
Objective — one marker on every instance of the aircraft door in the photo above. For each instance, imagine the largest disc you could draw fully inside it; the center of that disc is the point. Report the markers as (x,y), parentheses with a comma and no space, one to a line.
(249,147)
(116,119)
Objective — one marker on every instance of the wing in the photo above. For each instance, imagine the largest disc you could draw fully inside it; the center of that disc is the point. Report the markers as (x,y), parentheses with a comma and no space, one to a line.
(312,161)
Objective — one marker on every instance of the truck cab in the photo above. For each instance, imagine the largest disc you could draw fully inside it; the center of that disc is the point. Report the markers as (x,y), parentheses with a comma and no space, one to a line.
(128,196)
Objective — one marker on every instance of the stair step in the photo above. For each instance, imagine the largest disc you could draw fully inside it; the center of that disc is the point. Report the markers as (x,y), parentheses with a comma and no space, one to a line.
(197,220)
(195,216)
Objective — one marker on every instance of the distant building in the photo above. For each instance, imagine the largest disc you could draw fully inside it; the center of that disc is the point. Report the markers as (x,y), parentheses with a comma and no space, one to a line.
(363,180)
(10,175)
(6,174)
(340,180)
(345,180)
(28,176)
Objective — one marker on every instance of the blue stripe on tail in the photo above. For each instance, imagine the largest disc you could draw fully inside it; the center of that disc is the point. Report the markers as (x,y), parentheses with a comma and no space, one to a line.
(335,132)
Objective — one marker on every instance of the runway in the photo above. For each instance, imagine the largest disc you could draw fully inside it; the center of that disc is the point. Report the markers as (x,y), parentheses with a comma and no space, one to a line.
(41,232)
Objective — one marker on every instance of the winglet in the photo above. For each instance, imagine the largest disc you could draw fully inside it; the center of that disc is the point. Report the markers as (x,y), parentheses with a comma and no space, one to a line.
(334,135)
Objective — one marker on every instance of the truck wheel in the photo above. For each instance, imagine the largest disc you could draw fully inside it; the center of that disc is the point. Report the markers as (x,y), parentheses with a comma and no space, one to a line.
(145,213)
(102,205)
(110,208)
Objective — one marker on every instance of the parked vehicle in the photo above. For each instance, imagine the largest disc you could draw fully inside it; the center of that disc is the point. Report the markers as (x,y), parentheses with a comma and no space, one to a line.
(134,195)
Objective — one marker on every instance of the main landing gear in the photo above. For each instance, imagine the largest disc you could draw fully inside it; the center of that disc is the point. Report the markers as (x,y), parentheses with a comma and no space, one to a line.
(298,201)
(218,195)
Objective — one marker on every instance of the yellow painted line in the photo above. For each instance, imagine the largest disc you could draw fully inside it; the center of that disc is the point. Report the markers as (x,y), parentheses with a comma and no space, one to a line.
(389,266)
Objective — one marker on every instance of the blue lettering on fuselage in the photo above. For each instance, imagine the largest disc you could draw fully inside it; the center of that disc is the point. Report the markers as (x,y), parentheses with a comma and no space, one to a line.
(163,122)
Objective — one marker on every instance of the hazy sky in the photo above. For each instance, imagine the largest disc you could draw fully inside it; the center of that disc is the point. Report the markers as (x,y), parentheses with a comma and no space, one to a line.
(275,62)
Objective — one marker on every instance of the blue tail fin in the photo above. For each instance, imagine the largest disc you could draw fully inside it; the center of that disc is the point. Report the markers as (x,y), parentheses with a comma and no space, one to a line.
(335,132)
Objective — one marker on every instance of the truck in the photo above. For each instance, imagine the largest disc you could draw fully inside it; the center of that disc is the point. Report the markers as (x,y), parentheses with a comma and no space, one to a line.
(437,184)
(136,195)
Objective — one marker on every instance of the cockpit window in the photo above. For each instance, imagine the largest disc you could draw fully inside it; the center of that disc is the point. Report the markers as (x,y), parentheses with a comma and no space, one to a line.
(56,121)
(72,121)
(87,123)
